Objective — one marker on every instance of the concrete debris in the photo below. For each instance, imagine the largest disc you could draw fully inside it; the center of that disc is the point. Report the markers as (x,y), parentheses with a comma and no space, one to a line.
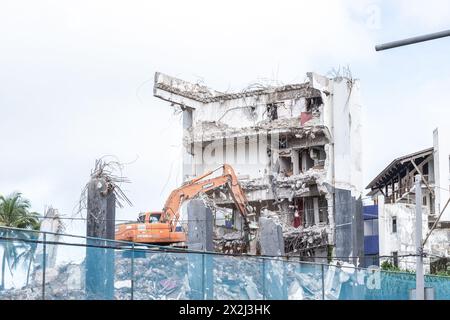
(237,235)
(28,293)
(225,241)
(203,94)
(252,289)
(59,284)
(122,284)
(183,88)
(166,276)
(298,239)
(229,246)
(255,184)
(302,180)
(231,243)
(311,284)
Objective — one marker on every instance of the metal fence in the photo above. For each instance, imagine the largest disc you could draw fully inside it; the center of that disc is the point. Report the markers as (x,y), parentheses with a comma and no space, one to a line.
(36,265)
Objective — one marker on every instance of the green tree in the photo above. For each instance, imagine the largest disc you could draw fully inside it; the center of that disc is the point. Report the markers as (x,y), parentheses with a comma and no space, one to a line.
(15,212)
(389,266)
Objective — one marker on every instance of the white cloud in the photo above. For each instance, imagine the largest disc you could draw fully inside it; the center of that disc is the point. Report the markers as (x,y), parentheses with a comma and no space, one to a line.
(431,14)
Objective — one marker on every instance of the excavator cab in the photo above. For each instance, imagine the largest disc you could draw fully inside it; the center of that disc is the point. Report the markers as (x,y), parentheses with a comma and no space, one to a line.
(149,217)
(154,217)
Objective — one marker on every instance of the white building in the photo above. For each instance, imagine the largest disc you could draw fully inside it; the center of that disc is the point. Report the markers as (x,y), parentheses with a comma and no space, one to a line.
(394,192)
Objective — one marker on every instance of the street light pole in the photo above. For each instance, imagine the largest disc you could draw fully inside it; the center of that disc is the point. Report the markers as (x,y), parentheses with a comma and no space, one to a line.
(408,41)
(420,287)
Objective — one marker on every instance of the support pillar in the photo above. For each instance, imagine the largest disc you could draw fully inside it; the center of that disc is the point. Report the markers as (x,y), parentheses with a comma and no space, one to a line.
(99,281)
(316,210)
(200,237)
(272,244)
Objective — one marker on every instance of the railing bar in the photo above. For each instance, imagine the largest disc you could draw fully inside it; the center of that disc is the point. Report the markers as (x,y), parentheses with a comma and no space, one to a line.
(44,259)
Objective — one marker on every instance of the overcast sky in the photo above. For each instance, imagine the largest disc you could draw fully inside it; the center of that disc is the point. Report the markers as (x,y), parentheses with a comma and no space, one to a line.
(76,80)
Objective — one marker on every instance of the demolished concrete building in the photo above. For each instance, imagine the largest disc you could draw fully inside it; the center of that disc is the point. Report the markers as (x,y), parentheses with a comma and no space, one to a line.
(295,148)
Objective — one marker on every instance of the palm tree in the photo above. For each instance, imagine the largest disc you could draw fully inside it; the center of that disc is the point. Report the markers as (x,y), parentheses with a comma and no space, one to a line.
(28,252)
(28,255)
(14,212)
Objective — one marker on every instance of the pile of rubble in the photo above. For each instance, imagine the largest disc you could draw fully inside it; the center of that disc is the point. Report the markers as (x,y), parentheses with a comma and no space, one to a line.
(167,276)
(302,180)
(255,184)
(303,285)
(299,239)
(231,243)
(65,282)
(27,293)
(159,275)
(237,278)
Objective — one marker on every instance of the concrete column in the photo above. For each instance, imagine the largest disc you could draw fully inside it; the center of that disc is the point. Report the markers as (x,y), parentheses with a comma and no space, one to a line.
(272,244)
(304,160)
(316,210)
(241,151)
(188,165)
(230,153)
(100,224)
(349,226)
(200,237)
(252,151)
(271,238)
(200,226)
(295,162)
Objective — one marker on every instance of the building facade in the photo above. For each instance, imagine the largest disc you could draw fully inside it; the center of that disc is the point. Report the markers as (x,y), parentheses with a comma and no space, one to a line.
(295,148)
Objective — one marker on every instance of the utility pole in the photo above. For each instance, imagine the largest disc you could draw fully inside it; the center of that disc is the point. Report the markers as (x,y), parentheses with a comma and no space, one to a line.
(420,287)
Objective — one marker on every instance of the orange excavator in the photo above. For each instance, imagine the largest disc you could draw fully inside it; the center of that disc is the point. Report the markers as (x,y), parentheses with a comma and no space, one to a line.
(161,227)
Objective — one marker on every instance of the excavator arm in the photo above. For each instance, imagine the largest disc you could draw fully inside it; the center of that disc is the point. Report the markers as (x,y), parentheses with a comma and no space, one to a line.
(199,185)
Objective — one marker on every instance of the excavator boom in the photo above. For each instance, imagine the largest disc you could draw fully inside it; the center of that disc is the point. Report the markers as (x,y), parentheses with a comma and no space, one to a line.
(198,185)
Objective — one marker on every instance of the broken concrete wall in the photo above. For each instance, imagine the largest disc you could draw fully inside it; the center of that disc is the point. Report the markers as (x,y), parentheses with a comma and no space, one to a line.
(200,226)
(347,136)
(52,224)
(349,227)
(290,146)
(101,204)
(271,237)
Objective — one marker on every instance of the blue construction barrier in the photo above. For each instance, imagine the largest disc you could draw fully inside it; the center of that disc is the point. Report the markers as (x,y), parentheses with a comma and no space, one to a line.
(34,265)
